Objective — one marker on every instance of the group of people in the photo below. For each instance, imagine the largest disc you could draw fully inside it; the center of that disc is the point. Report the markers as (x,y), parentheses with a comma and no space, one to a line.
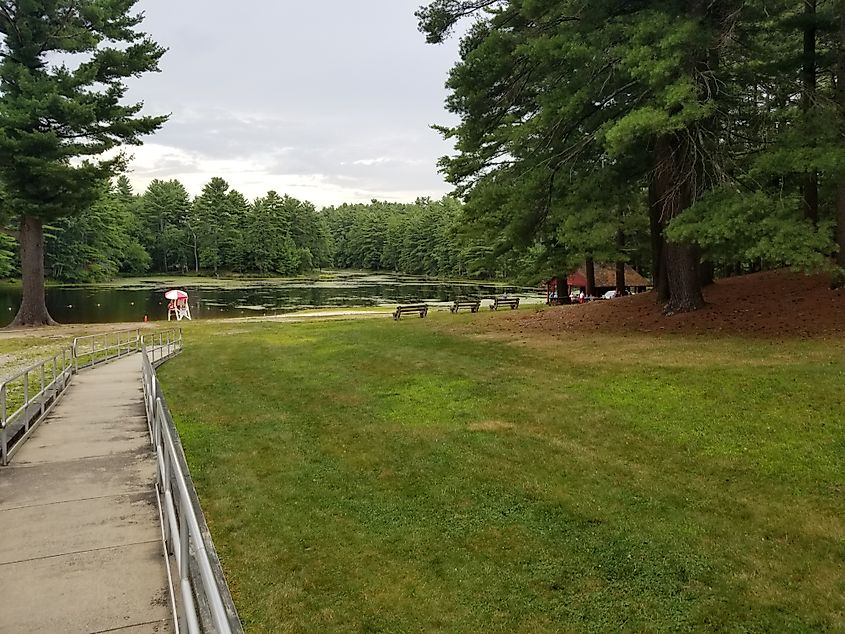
(178,309)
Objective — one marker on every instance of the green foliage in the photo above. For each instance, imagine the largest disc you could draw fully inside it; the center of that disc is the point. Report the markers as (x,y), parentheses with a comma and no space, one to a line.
(8,255)
(268,232)
(167,236)
(736,227)
(211,221)
(162,230)
(570,112)
(423,238)
(96,244)
(54,112)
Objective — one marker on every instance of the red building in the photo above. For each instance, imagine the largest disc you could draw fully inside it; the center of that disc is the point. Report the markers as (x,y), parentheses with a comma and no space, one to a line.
(606,280)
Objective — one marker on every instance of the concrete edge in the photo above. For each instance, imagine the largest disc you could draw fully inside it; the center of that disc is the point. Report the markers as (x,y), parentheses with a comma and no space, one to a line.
(216,567)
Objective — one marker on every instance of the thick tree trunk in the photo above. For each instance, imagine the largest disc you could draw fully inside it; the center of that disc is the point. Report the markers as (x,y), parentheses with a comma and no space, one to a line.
(810,180)
(662,281)
(620,278)
(33,310)
(684,284)
(658,262)
(590,274)
(620,264)
(681,260)
(706,273)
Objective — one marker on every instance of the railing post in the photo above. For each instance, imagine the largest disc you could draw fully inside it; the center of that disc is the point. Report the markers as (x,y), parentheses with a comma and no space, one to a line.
(55,380)
(3,457)
(41,374)
(26,399)
(93,344)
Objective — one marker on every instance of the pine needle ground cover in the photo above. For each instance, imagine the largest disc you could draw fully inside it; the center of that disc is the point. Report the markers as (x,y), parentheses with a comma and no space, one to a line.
(436,475)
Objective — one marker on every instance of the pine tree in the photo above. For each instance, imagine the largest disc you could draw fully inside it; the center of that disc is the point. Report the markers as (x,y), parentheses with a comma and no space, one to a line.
(163,211)
(53,113)
(211,215)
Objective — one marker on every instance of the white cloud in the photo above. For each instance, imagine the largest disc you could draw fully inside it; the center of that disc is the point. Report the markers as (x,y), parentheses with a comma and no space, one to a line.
(330,102)
(255,176)
(374,161)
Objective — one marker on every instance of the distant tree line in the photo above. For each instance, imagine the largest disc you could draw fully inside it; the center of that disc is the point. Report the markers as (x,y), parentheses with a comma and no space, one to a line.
(219,231)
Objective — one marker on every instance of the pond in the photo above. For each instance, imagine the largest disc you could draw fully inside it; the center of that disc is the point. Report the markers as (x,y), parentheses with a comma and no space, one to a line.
(131,300)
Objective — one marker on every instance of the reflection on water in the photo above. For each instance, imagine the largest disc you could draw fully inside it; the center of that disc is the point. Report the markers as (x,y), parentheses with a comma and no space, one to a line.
(103,304)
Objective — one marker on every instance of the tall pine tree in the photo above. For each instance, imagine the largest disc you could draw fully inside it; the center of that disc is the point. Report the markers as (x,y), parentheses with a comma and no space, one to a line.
(53,114)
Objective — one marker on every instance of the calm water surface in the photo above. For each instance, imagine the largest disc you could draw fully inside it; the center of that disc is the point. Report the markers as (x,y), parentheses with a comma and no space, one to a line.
(214,299)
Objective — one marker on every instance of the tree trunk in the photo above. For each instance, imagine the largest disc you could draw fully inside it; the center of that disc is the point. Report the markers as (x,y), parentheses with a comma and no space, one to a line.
(620,264)
(675,195)
(684,286)
(590,274)
(839,277)
(810,197)
(662,281)
(33,310)
(620,278)
(658,261)
(810,180)
(706,273)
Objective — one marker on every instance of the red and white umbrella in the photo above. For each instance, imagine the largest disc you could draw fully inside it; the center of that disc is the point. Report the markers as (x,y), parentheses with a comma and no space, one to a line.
(176,294)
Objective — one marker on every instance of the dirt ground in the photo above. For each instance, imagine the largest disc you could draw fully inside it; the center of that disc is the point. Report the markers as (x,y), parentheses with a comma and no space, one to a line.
(771,305)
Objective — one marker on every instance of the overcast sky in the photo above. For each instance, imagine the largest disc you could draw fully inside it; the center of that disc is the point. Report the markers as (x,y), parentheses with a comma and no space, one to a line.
(327,101)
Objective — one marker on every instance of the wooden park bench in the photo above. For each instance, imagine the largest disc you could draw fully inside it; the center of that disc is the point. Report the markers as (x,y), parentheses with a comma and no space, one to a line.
(422,309)
(513,302)
(472,304)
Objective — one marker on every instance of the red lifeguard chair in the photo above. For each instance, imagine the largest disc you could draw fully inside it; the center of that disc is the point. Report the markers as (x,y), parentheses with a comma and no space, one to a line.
(178,307)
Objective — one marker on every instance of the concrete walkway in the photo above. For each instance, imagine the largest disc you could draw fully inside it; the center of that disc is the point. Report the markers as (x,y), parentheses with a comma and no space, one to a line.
(81,541)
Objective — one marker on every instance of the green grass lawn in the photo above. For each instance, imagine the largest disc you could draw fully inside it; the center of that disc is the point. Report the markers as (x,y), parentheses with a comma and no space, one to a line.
(430,475)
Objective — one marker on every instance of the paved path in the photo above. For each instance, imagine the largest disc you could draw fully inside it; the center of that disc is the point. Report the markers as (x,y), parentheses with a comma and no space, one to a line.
(81,540)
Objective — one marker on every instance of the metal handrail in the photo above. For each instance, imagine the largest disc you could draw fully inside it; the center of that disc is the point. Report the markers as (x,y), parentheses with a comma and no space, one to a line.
(183,536)
(24,418)
(26,399)
(105,346)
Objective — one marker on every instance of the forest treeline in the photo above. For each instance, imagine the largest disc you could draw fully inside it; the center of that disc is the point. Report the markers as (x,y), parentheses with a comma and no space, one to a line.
(164,230)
